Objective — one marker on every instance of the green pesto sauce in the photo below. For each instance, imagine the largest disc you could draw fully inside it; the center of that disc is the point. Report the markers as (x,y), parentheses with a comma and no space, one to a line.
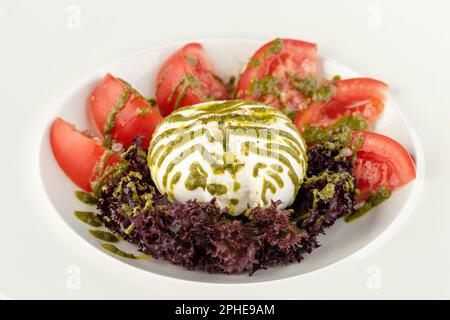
(279,147)
(264,133)
(327,192)
(183,155)
(191,60)
(181,87)
(275,47)
(262,115)
(331,178)
(312,91)
(277,178)
(233,204)
(251,147)
(101,165)
(196,178)
(111,119)
(104,235)
(276,167)
(113,249)
(217,189)
(254,62)
(236,186)
(231,168)
(180,141)
(176,177)
(152,101)
(108,173)
(267,185)
(267,85)
(175,88)
(374,199)
(257,167)
(336,78)
(315,134)
(305,86)
(89,218)
(292,115)
(142,111)
(181,95)
(323,93)
(129,229)
(86,198)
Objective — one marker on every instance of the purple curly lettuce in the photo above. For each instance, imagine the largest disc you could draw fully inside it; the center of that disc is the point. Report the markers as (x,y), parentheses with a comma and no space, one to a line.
(203,236)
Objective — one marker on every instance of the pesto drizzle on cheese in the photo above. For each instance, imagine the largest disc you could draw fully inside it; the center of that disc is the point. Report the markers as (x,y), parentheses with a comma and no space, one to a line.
(205,131)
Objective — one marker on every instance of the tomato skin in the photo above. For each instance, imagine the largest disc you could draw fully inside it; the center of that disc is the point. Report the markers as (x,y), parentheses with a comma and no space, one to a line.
(294,57)
(129,122)
(364,97)
(76,154)
(380,161)
(191,69)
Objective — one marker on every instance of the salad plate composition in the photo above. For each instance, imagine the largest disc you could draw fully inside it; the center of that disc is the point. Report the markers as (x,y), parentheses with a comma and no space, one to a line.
(231,160)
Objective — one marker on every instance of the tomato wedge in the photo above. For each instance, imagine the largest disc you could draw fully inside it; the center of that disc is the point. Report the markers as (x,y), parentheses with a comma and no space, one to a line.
(363,97)
(270,72)
(135,116)
(380,161)
(76,154)
(187,78)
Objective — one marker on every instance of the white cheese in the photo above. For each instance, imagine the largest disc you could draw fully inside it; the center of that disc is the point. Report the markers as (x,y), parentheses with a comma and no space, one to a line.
(243,153)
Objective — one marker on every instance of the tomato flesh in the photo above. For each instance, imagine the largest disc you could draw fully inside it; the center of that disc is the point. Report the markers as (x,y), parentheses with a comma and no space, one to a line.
(380,161)
(281,60)
(137,117)
(187,78)
(363,97)
(76,154)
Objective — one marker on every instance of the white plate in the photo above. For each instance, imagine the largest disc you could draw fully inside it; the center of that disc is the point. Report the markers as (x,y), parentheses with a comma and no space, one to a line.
(229,56)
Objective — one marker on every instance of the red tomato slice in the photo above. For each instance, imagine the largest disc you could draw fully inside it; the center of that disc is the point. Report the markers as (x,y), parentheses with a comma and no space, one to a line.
(136,118)
(279,61)
(363,97)
(187,78)
(76,154)
(380,161)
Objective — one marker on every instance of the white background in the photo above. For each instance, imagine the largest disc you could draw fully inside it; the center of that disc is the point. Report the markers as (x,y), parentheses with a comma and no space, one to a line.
(406,44)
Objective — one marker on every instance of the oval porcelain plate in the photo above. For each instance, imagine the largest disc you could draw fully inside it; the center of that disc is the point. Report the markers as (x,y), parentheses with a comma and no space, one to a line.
(229,57)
